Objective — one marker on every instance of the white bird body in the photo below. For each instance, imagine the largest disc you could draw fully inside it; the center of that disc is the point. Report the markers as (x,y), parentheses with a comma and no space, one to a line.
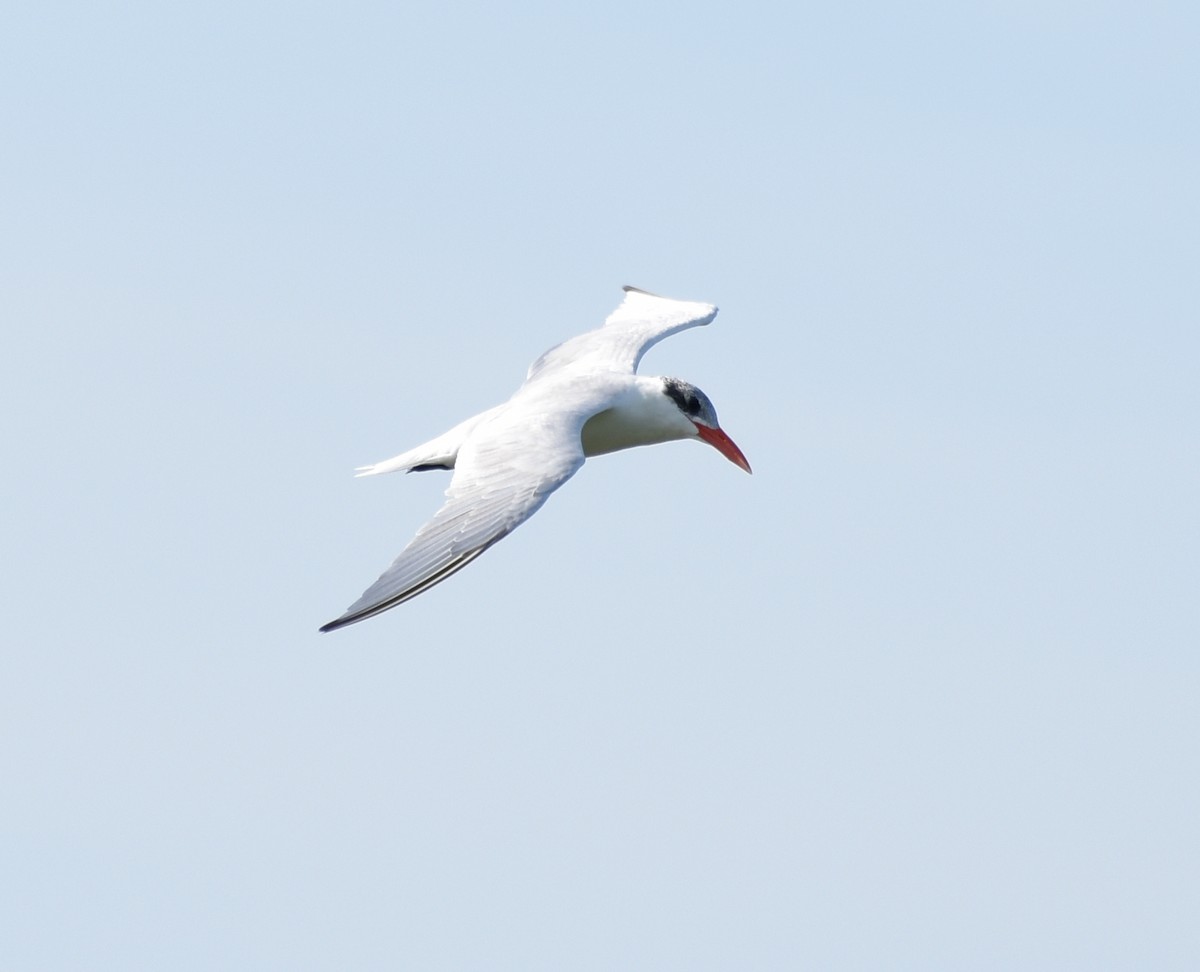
(581,398)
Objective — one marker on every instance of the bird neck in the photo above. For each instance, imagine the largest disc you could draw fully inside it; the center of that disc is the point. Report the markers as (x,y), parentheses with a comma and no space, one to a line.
(640,415)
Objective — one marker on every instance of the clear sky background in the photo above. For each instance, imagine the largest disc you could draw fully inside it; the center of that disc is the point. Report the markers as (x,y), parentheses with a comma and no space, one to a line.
(921,693)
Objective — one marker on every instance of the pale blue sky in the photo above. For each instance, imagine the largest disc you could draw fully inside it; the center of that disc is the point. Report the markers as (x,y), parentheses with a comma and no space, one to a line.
(921,693)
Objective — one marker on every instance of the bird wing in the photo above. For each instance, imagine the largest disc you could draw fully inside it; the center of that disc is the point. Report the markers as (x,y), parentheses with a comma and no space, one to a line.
(507,467)
(639,322)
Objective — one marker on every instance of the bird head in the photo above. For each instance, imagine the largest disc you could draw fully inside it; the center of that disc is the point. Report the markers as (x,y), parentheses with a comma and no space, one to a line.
(699,411)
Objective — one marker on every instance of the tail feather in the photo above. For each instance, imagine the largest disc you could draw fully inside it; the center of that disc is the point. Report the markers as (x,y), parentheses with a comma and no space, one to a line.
(439,453)
(406,461)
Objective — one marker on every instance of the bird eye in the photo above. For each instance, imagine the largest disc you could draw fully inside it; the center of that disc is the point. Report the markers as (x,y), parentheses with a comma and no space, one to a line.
(693,406)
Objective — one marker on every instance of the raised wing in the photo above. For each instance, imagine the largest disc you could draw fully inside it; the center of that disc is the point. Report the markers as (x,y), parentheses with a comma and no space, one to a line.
(641,321)
(502,476)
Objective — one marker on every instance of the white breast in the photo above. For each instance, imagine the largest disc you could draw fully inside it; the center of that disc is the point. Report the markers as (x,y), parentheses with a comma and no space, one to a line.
(640,415)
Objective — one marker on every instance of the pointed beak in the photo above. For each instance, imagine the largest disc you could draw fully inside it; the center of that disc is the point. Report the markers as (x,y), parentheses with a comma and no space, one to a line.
(723,444)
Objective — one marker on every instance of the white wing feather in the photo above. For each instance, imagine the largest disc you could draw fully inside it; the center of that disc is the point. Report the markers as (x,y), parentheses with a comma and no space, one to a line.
(639,322)
(504,472)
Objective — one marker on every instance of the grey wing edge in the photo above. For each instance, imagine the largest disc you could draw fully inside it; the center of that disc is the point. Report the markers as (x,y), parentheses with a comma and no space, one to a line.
(447,570)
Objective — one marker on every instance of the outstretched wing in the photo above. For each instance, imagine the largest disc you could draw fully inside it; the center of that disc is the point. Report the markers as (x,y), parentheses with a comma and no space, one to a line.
(505,471)
(640,322)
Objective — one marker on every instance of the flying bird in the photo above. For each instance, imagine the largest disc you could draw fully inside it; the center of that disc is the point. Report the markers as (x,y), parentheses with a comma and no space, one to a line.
(581,398)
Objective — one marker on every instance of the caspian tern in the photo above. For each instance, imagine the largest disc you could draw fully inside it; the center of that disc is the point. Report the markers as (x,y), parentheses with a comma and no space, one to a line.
(581,398)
